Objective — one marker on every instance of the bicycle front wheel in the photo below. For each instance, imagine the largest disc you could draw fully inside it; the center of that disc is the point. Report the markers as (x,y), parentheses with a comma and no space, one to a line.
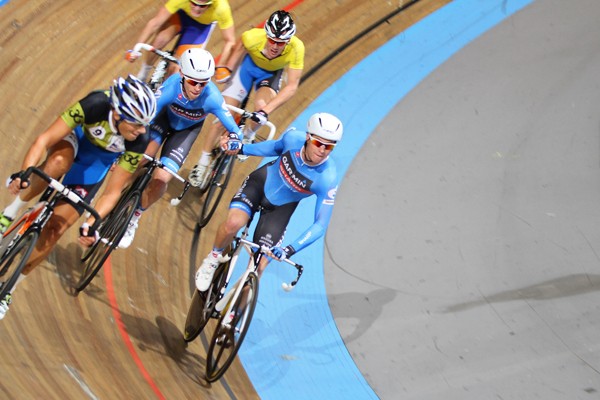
(229,335)
(14,259)
(216,187)
(203,305)
(111,232)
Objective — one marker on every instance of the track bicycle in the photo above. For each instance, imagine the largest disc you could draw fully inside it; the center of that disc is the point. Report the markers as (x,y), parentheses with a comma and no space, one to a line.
(113,227)
(233,308)
(217,179)
(21,237)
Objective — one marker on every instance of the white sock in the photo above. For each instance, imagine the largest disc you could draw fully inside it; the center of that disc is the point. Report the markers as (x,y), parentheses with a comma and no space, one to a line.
(137,214)
(14,207)
(249,132)
(205,158)
(144,72)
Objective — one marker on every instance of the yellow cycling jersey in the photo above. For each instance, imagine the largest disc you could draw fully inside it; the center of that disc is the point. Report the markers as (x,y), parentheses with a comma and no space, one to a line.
(219,11)
(93,114)
(255,40)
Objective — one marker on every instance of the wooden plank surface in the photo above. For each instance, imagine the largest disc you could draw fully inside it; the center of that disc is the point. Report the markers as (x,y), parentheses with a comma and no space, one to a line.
(121,338)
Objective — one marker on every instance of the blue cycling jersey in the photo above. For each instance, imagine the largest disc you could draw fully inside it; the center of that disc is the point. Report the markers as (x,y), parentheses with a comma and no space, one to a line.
(184,113)
(290,179)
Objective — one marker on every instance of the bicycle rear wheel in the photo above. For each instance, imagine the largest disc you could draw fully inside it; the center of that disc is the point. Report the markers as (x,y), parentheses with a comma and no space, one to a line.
(227,339)
(111,232)
(202,307)
(216,187)
(14,259)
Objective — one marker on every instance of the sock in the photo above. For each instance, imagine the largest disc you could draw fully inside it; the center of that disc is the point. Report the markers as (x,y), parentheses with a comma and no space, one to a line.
(249,132)
(137,214)
(205,158)
(144,72)
(216,252)
(14,207)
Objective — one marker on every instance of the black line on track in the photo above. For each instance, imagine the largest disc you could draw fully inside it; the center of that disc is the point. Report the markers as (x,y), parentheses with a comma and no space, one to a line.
(354,39)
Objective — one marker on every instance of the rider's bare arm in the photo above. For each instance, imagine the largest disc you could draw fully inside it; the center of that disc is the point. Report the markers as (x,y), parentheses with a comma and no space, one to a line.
(228,45)
(153,25)
(287,92)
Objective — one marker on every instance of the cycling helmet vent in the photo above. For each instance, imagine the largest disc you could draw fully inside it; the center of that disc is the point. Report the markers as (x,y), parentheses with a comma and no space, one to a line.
(133,100)
(326,126)
(280,25)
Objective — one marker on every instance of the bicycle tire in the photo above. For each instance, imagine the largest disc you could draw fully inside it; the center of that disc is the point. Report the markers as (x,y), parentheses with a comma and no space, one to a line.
(203,305)
(216,188)
(20,252)
(111,232)
(227,341)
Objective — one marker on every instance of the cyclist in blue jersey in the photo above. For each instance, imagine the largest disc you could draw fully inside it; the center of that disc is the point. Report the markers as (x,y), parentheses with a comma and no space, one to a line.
(104,129)
(184,101)
(303,168)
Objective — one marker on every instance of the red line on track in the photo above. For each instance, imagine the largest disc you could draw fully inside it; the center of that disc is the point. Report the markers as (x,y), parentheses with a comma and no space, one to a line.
(112,298)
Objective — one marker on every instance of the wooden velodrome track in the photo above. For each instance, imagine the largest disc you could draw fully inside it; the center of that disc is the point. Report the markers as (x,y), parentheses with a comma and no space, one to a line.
(121,338)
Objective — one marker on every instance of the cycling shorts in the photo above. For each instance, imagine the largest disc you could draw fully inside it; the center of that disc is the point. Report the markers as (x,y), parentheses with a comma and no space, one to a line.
(273,220)
(249,74)
(176,145)
(192,33)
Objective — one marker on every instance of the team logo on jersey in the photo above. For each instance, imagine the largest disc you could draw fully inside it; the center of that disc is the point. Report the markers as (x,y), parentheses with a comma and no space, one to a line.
(76,115)
(292,176)
(131,158)
(330,197)
(194,115)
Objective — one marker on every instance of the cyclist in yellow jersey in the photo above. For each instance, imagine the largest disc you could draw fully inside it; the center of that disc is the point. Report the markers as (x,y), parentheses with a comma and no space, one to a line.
(102,130)
(194,20)
(259,59)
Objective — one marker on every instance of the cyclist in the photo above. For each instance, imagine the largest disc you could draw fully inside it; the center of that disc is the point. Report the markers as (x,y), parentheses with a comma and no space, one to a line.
(184,100)
(264,55)
(194,21)
(303,168)
(103,129)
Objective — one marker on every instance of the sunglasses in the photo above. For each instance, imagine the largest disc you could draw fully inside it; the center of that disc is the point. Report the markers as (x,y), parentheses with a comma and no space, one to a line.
(318,143)
(277,42)
(204,5)
(194,83)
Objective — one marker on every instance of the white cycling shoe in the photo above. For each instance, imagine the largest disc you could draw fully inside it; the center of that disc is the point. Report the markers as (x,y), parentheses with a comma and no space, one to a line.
(127,238)
(206,271)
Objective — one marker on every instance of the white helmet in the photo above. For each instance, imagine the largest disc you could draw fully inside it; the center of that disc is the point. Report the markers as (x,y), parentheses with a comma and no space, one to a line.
(133,100)
(197,64)
(326,126)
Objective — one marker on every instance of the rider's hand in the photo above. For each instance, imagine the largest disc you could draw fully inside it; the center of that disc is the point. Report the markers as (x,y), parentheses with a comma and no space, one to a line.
(15,184)
(281,253)
(87,236)
(260,117)
(222,74)
(233,144)
(131,55)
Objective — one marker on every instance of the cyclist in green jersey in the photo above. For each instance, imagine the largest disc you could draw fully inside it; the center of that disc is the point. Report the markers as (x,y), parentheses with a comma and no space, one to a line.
(104,129)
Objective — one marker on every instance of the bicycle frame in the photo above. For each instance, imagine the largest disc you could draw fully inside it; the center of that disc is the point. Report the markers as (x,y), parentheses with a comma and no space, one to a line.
(252,268)
(25,231)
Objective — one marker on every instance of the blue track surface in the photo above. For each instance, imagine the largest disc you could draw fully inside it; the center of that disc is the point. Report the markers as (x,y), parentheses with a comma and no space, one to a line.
(293,349)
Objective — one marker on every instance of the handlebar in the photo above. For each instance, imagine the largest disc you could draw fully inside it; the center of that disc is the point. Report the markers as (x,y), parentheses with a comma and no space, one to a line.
(64,191)
(267,251)
(164,54)
(246,114)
